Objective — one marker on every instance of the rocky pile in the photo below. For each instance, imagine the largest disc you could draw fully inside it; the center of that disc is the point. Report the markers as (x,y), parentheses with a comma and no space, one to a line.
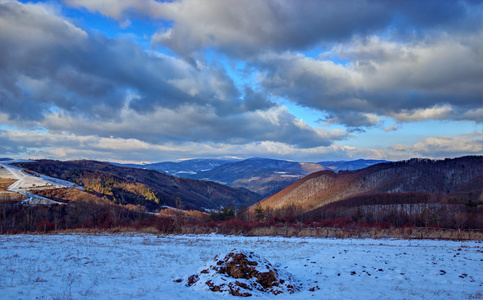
(242,273)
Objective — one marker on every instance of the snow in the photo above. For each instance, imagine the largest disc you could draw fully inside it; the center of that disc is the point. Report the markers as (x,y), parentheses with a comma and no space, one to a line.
(123,266)
(186,172)
(292,176)
(243,273)
(27,182)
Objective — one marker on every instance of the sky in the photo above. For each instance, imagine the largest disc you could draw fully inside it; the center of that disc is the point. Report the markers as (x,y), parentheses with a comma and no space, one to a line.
(149,81)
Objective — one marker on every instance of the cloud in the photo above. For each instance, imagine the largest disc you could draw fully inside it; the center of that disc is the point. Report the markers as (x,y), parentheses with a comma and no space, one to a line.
(433,113)
(65,80)
(60,66)
(78,93)
(353,119)
(472,114)
(245,28)
(444,146)
(407,81)
(68,146)
(397,58)
(390,128)
(62,145)
(200,124)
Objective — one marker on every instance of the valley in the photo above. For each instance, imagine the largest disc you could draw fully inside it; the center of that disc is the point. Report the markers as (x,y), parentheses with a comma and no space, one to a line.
(260,175)
(439,194)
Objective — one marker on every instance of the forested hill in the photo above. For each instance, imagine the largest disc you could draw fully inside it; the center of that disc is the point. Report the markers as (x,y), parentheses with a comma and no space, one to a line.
(430,177)
(145,187)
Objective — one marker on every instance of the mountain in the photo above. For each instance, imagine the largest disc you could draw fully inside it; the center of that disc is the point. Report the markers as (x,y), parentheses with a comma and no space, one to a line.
(261,175)
(457,180)
(183,168)
(149,188)
(337,166)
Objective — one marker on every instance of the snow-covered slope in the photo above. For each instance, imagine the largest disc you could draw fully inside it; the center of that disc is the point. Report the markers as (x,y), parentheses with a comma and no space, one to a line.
(27,182)
(149,267)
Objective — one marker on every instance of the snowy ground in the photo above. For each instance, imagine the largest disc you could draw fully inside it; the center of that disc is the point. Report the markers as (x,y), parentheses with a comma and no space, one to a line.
(27,182)
(146,266)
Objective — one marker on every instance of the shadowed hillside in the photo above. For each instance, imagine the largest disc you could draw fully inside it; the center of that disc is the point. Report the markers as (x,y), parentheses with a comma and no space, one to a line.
(261,175)
(453,181)
(143,187)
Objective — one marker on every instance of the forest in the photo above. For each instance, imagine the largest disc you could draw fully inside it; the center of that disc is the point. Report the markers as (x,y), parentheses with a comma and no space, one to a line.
(436,195)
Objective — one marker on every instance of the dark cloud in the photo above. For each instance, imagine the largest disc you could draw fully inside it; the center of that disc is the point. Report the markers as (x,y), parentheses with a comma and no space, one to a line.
(199,124)
(68,80)
(405,60)
(425,59)
(71,70)
(353,119)
(246,28)
(384,78)
(256,101)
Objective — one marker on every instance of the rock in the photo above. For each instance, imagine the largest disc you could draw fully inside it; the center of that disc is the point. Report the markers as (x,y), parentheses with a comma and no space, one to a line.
(242,273)
(192,279)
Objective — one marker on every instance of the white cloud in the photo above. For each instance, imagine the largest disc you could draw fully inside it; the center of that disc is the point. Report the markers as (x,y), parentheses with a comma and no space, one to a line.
(443,146)
(432,113)
(390,128)
(67,146)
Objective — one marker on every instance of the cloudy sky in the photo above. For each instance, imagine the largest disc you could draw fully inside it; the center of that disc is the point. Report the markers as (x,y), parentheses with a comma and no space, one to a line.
(148,81)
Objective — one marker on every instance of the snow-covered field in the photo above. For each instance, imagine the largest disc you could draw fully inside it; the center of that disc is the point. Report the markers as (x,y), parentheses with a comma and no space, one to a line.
(142,266)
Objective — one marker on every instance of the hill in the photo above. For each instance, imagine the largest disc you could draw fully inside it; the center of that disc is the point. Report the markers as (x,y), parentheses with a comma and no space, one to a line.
(182,168)
(261,175)
(454,184)
(351,165)
(148,188)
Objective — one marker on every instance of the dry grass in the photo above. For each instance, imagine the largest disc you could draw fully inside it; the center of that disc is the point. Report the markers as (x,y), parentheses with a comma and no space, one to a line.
(5,183)
(11,198)
(373,233)
(6,195)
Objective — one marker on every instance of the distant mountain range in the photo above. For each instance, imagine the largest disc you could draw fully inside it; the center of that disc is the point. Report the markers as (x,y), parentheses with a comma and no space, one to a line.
(182,168)
(420,191)
(450,182)
(351,165)
(261,175)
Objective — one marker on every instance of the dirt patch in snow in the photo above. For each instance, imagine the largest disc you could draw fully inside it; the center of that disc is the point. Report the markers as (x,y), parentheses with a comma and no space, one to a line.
(243,273)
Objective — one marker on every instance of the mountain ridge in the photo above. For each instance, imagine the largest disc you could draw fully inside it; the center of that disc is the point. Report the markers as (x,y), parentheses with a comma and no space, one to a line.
(261,175)
(449,176)
(148,187)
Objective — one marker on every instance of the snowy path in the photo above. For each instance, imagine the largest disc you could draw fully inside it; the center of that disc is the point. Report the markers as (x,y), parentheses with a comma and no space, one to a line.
(145,266)
(28,182)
